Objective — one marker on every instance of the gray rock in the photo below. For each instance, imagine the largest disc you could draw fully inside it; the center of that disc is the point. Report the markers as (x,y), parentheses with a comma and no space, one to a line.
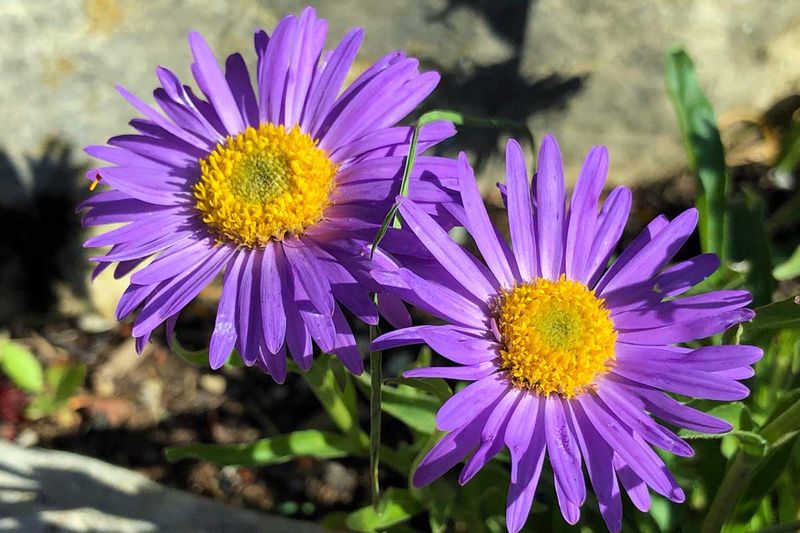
(589,71)
(53,491)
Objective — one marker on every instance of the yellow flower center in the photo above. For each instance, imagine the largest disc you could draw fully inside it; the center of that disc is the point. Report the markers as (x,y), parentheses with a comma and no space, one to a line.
(557,336)
(264,183)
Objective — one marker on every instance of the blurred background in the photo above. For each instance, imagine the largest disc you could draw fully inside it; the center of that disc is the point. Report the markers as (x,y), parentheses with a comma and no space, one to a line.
(591,72)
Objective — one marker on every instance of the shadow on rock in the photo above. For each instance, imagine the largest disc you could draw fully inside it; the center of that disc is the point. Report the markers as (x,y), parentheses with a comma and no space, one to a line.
(40,234)
(499,90)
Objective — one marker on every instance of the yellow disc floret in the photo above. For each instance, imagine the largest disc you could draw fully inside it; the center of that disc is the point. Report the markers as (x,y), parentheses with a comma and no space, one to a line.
(263,184)
(557,336)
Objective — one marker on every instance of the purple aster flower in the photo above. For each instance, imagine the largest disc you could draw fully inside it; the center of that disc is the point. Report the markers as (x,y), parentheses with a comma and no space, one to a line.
(567,358)
(276,185)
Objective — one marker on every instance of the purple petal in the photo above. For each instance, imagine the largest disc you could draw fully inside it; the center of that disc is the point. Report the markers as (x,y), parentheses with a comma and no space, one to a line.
(216,88)
(146,184)
(458,410)
(449,254)
(223,338)
(479,225)
(238,79)
(137,250)
(676,378)
(346,348)
(525,438)
(248,284)
(550,208)
(652,257)
(671,282)
(583,212)
(328,83)
(563,451)
(640,458)
(634,486)
(174,261)
(520,212)
(432,297)
(688,330)
(450,449)
(176,154)
(272,77)
(378,144)
(305,270)
(598,457)
(162,122)
(630,410)
(154,227)
(610,223)
(173,296)
(121,157)
(671,411)
(464,373)
(691,308)
(273,315)
(492,435)
(570,511)
(306,49)
(393,310)
(298,339)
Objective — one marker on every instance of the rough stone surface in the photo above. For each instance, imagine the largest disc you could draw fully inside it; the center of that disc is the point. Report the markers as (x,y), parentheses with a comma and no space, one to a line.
(589,71)
(51,491)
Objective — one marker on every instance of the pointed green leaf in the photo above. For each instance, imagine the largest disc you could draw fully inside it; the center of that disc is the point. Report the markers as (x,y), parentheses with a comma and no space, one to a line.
(396,507)
(274,450)
(778,315)
(790,268)
(698,125)
(21,366)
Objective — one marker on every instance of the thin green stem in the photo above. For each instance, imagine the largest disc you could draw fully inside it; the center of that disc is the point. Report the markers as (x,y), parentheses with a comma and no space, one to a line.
(376,371)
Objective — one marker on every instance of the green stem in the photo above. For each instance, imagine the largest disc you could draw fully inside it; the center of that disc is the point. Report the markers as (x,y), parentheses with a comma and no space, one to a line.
(732,486)
(376,371)
(741,470)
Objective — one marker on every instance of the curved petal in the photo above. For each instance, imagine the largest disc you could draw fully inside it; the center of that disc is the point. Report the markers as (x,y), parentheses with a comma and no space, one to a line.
(214,84)
(583,212)
(520,212)
(562,449)
(479,225)
(458,410)
(550,208)
(449,254)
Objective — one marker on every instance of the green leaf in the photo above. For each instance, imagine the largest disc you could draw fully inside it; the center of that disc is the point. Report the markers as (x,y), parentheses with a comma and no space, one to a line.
(788,269)
(698,125)
(197,358)
(340,404)
(396,507)
(71,379)
(274,450)
(748,243)
(411,406)
(790,156)
(21,367)
(764,477)
(778,315)
(63,382)
(435,386)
